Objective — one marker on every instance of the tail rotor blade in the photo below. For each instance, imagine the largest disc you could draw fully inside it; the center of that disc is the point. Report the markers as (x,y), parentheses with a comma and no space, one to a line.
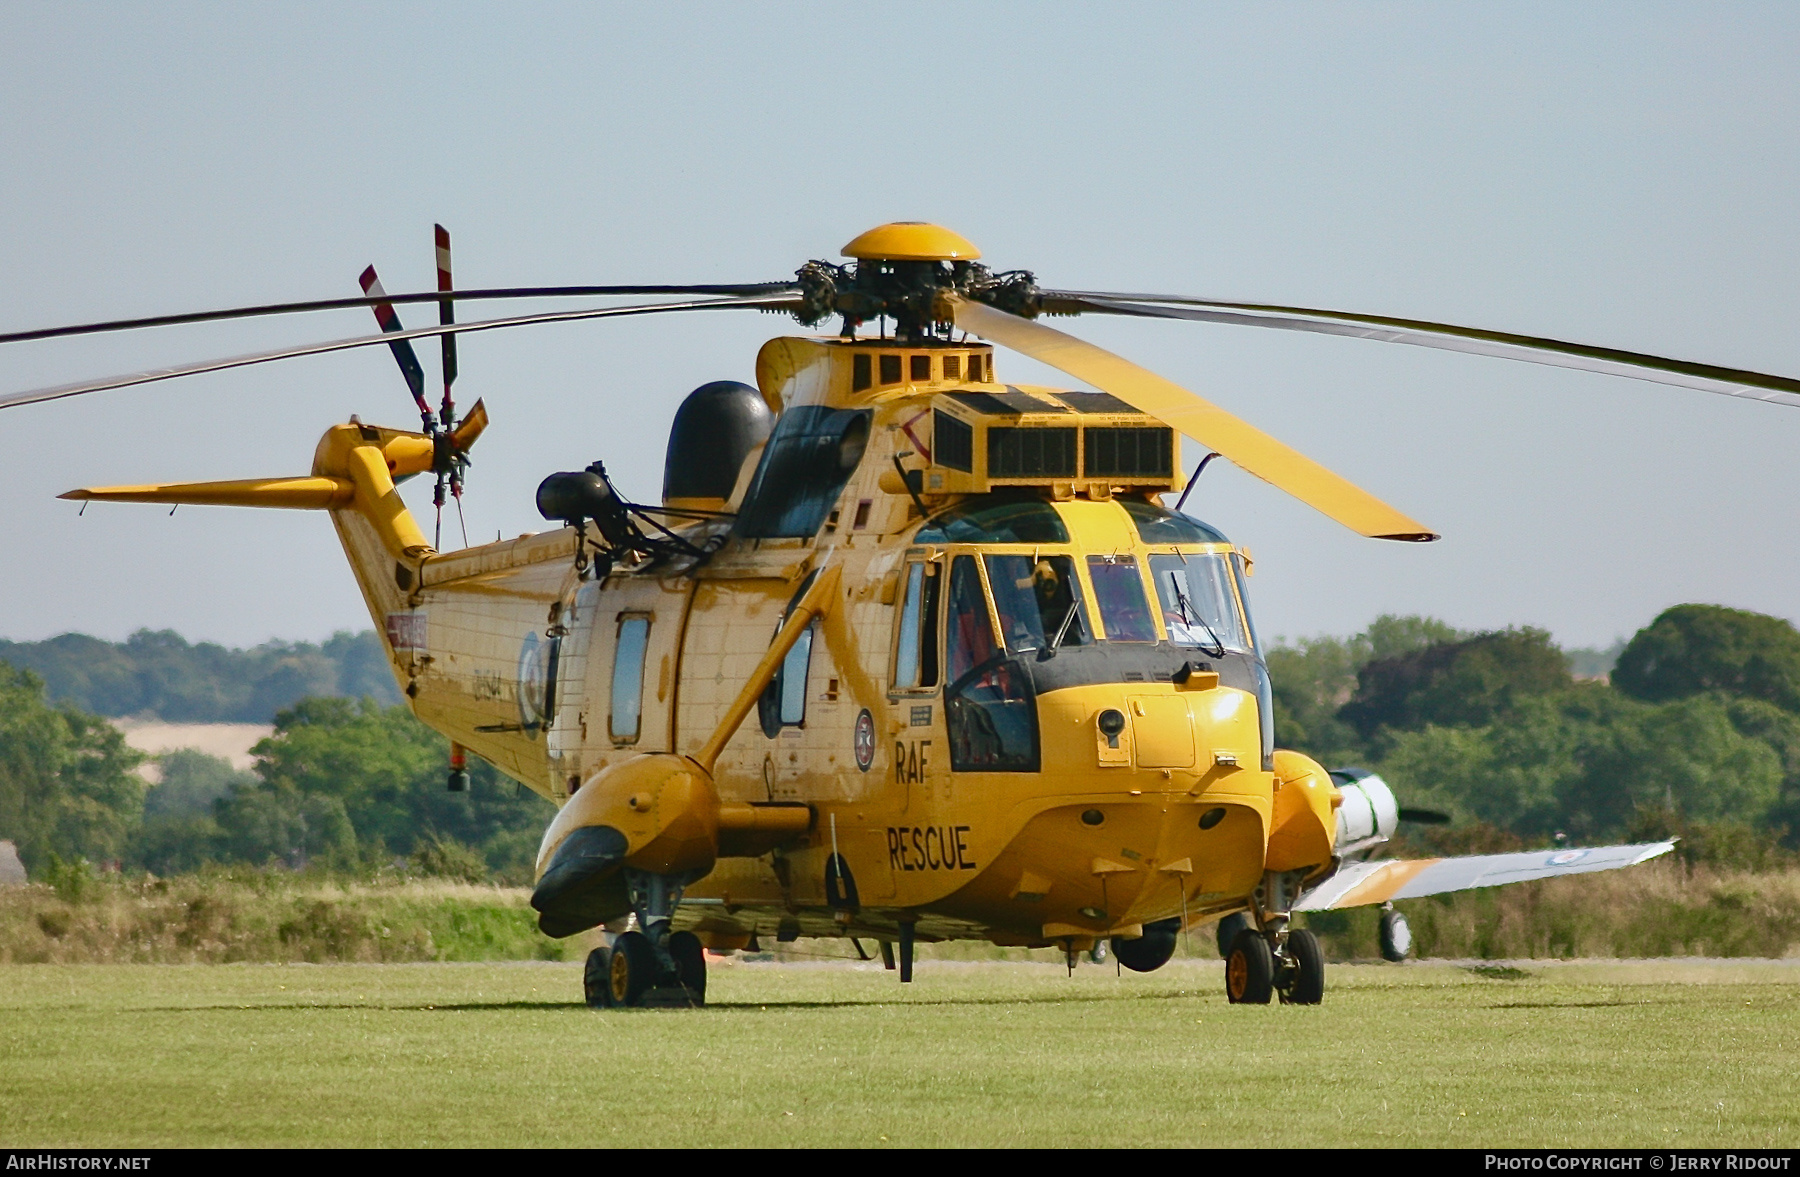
(1211,426)
(389,321)
(446,316)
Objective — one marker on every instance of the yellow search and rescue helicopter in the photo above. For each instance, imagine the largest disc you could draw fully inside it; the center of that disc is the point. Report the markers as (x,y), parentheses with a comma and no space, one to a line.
(907,653)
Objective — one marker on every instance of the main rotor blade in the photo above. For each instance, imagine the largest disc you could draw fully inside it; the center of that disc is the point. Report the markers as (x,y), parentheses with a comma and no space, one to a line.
(753,290)
(65,390)
(1206,423)
(1533,349)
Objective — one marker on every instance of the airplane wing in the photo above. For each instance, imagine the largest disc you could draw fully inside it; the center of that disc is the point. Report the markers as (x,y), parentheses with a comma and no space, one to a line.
(1362,883)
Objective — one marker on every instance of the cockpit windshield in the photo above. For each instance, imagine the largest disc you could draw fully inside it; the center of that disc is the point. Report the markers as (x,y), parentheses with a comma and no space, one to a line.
(1039,602)
(1198,604)
(1124,609)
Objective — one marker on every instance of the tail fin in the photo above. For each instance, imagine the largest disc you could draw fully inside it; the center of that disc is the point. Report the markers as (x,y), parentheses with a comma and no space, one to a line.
(353,476)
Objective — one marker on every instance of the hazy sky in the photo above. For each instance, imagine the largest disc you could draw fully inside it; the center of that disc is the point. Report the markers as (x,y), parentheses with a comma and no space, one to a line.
(1621,174)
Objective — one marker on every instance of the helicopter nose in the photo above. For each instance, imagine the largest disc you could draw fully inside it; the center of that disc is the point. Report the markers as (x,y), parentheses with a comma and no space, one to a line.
(583,884)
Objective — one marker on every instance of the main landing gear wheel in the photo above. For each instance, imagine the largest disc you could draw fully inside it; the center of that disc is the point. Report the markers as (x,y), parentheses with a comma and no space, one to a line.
(1304,974)
(690,964)
(1249,970)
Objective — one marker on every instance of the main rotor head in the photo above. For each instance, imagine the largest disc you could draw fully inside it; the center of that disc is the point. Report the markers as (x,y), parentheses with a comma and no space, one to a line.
(901,272)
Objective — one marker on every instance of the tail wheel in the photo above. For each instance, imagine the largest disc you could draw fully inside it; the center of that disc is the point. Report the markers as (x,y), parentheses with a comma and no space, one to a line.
(631,970)
(1306,969)
(594,978)
(690,964)
(1396,937)
(1249,970)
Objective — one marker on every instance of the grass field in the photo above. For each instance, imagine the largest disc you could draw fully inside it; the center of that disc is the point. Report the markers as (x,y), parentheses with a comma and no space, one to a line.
(1681,1054)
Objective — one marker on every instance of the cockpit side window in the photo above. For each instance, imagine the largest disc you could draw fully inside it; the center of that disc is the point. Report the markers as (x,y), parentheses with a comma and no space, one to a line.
(1119,590)
(1039,602)
(1198,604)
(915,654)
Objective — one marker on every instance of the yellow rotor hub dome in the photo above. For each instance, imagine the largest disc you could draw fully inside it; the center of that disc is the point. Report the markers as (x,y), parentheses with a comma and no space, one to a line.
(911,241)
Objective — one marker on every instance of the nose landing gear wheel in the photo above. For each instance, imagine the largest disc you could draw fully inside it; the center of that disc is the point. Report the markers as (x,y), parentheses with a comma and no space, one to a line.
(1249,970)
(1305,979)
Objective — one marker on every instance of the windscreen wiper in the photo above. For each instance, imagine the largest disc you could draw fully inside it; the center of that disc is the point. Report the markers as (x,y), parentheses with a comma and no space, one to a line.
(1062,629)
(1191,616)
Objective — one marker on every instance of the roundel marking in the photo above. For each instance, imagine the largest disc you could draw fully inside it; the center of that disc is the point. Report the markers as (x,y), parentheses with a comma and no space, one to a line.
(865,740)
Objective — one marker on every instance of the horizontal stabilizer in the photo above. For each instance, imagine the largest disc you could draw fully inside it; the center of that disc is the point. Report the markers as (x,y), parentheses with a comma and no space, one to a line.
(1363,883)
(314,493)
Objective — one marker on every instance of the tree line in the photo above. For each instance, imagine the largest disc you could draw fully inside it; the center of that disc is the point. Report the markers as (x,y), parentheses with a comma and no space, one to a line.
(341,784)
(1696,733)
(159,673)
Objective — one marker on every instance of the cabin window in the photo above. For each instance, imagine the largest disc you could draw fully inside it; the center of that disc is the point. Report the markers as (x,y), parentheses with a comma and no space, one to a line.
(921,369)
(995,520)
(890,369)
(783,703)
(1039,602)
(537,681)
(953,367)
(861,376)
(915,658)
(1119,591)
(989,706)
(628,678)
(1198,604)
